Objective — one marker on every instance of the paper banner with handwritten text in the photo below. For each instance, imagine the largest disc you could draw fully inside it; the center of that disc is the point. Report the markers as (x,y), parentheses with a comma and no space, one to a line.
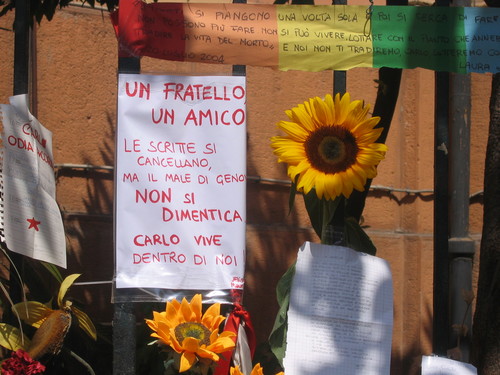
(313,38)
(181,182)
(32,223)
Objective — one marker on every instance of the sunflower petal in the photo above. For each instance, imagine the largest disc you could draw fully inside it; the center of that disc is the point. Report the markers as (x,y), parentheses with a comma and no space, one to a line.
(170,313)
(306,181)
(185,310)
(300,116)
(257,370)
(320,185)
(369,136)
(204,353)
(196,308)
(341,108)
(365,125)
(187,361)
(235,371)
(212,318)
(347,185)
(331,109)
(294,130)
(357,181)
(222,344)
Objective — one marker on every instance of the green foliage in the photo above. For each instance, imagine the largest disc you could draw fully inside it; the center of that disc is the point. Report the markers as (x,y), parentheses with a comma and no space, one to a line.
(320,211)
(40,9)
(356,238)
(277,338)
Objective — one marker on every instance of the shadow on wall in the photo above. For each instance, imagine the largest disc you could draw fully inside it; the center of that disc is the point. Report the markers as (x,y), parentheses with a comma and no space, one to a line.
(408,360)
(90,231)
(274,236)
(89,235)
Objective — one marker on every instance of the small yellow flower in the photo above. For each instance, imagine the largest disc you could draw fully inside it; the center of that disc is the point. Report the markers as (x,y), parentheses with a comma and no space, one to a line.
(330,146)
(193,335)
(257,370)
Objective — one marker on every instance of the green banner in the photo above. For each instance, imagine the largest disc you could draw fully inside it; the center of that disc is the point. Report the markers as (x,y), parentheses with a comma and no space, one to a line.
(427,37)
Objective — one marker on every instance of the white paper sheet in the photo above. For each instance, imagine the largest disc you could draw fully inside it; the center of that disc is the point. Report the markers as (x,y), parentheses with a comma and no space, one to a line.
(181,182)
(32,222)
(432,365)
(341,313)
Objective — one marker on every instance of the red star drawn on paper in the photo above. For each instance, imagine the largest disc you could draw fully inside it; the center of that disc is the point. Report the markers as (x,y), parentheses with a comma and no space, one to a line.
(33,223)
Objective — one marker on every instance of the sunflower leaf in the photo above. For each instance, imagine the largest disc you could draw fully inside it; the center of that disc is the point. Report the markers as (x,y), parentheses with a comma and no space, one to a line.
(314,209)
(320,211)
(68,281)
(356,238)
(85,323)
(12,338)
(32,312)
(277,338)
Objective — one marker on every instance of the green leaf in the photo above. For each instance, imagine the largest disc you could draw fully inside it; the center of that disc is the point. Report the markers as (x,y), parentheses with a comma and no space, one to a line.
(277,338)
(356,238)
(320,211)
(314,209)
(53,270)
(293,193)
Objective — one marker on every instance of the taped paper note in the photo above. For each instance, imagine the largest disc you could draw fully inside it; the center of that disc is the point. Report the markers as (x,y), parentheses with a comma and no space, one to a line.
(32,221)
(443,366)
(341,313)
(181,182)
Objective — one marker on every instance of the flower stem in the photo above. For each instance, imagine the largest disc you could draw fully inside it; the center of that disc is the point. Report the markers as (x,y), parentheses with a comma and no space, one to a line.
(332,232)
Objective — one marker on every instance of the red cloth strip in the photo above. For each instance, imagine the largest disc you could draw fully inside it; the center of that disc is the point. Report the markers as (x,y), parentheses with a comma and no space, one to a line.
(238,316)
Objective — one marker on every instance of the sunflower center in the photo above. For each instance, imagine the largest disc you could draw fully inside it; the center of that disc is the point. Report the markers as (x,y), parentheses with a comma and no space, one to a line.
(331,149)
(196,330)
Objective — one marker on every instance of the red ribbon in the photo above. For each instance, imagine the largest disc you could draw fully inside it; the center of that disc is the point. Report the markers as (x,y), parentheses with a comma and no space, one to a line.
(238,316)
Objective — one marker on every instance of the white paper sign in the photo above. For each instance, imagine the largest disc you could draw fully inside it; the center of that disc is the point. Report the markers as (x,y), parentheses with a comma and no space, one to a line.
(181,182)
(32,221)
(340,316)
(443,366)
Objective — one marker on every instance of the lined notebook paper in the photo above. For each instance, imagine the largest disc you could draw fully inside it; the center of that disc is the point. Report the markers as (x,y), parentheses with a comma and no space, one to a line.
(341,313)
(31,222)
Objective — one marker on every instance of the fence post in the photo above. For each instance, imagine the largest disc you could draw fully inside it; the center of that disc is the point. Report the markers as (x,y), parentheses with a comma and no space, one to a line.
(124,322)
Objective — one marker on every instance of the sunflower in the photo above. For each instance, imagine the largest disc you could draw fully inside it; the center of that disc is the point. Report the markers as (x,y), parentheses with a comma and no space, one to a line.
(330,146)
(257,370)
(192,335)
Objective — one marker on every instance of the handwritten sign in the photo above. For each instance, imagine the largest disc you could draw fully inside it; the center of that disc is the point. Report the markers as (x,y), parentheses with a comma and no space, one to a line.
(425,38)
(181,182)
(313,37)
(340,315)
(482,39)
(32,223)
